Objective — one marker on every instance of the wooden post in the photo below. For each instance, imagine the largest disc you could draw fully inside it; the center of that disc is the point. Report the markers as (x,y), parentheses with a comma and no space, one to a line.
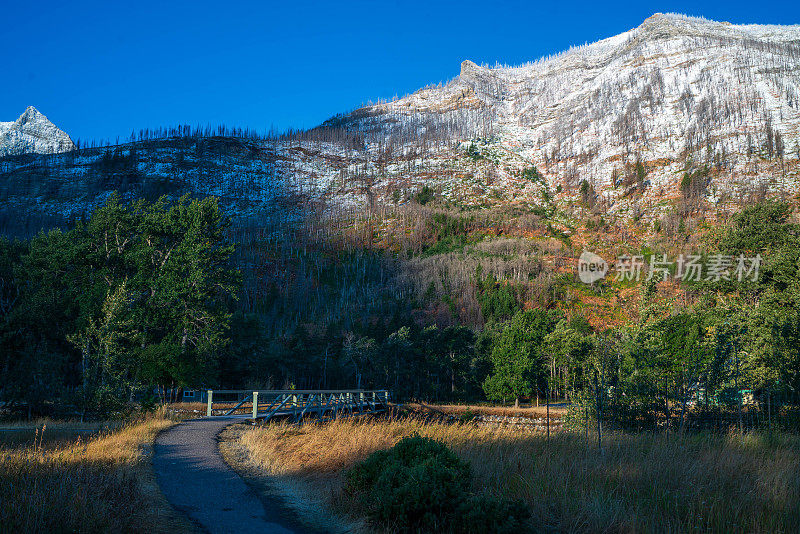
(548,413)
(255,404)
(294,407)
(599,415)
(208,407)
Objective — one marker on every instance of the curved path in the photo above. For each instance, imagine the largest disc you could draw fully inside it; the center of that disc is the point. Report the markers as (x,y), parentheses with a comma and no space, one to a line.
(197,481)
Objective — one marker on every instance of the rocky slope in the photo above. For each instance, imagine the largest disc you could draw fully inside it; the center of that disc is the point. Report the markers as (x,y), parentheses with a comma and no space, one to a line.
(628,114)
(32,133)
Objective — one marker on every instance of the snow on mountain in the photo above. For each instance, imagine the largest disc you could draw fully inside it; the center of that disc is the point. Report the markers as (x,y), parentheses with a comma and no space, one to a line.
(671,96)
(32,133)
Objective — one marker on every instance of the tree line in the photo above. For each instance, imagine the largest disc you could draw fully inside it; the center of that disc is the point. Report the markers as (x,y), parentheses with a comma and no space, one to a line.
(137,296)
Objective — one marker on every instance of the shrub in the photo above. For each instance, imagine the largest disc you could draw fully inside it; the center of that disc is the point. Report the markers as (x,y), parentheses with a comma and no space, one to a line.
(532,174)
(467,416)
(424,195)
(415,485)
(480,514)
(420,485)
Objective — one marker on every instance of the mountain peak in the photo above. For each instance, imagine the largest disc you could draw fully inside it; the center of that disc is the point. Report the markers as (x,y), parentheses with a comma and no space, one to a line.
(671,23)
(30,114)
(469,67)
(32,132)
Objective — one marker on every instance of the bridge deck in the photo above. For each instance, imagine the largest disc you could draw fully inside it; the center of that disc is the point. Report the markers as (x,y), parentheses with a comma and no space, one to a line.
(265,405)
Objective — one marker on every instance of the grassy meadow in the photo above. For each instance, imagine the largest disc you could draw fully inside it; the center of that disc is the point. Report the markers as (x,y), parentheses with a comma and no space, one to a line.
(556,411)
(638,483)
(83,477)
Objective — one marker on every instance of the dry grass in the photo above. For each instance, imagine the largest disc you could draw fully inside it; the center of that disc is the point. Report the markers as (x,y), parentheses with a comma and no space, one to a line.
(640,483)
(308,499)
(100,484)
(58,434)
(510,411)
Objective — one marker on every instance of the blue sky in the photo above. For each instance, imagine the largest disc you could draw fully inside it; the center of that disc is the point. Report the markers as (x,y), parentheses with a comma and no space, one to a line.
(101,69)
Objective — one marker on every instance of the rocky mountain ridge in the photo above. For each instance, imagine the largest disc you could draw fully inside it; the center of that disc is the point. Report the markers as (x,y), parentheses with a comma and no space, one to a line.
(635,112)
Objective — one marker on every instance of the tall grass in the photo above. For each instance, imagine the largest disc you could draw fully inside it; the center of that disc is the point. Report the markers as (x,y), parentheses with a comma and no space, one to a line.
(510,411)
(100,484)
(58,433)
(638,483)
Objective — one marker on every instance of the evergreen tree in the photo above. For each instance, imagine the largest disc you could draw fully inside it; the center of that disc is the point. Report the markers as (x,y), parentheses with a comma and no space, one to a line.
(518,364)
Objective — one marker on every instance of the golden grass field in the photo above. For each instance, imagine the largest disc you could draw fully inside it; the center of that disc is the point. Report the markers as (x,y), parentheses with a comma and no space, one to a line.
(639,483)
(510,411)
(97,477)
(55,478)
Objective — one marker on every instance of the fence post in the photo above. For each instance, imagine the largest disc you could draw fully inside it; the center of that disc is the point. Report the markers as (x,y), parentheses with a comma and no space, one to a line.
(208,408)
(255,404)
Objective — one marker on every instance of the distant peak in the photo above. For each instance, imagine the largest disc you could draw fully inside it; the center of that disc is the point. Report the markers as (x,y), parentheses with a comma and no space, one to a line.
(32,132)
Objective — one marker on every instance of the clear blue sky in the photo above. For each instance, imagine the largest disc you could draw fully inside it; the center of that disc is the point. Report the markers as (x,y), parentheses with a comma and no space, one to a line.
(101,69)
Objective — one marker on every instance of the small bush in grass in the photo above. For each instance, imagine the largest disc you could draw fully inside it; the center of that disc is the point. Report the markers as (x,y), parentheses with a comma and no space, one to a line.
(420,485)
(479,514)
(468,415)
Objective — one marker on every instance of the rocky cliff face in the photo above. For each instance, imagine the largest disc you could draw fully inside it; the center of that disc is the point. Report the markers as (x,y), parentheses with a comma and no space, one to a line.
(32,133)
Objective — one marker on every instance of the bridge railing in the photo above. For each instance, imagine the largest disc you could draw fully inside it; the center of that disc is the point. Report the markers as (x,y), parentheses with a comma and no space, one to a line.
(296,404)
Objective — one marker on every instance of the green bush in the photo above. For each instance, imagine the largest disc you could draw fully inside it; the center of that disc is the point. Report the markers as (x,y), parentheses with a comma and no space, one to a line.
(420,485)
(467,416)
(415,485)
(424,195)
(480,514)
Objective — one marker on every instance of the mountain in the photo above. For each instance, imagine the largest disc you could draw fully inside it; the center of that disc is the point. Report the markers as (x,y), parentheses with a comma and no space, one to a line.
(32,133)
(678,118)
(630,114)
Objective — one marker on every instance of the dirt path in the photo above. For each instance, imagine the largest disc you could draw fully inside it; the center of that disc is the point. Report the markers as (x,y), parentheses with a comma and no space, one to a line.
(197,481)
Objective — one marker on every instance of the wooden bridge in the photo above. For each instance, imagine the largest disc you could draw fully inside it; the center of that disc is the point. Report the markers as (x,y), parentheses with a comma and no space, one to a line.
(264,405)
